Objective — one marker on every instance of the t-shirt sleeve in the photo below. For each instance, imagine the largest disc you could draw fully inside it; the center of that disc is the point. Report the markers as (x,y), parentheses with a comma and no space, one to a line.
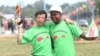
(75,30)
(27,37)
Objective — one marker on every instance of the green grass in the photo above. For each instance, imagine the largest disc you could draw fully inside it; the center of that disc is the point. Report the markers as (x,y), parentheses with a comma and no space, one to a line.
(9,47)
(87,49)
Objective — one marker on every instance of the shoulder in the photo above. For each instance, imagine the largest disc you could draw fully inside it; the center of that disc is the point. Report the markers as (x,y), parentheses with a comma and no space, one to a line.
(30,30)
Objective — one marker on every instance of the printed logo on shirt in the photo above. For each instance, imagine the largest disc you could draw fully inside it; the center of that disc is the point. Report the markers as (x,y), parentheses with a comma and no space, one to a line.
(63,36)
(39,39)
(55,37)
(47,37)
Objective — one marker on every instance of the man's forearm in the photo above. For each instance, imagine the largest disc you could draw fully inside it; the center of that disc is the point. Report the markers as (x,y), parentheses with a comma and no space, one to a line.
(68,20)
(19,37)
(87,38)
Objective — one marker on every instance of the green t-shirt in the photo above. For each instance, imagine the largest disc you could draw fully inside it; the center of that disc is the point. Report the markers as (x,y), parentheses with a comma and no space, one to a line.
(62,35)
(40,40)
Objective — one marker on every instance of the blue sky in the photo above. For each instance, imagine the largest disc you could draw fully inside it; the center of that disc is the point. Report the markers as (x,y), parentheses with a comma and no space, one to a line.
(25,2)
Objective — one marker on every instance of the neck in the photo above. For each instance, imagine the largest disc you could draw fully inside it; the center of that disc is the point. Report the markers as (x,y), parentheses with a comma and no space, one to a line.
(58,22)
(40,25)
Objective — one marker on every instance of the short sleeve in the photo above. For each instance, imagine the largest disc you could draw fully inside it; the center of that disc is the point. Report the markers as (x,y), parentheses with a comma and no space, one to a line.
(75,30)
(27,36)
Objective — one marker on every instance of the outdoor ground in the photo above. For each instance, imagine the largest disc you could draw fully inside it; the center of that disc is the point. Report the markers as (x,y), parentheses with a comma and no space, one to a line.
(9,47)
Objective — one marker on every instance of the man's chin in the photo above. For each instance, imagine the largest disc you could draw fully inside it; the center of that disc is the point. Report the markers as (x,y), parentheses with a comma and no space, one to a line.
(40,24)
(56,22)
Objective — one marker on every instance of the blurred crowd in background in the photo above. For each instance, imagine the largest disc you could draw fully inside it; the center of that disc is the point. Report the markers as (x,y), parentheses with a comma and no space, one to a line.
(11,25)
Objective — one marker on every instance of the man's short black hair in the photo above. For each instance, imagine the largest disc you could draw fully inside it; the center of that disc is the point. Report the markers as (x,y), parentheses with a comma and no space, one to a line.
(41,12)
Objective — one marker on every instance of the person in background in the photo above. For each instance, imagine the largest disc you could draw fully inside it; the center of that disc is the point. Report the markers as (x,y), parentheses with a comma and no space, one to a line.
(11,25)
(5,24)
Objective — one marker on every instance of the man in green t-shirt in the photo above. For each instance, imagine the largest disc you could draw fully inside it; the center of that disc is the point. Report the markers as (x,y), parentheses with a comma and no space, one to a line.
(62,33)
(38,36)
